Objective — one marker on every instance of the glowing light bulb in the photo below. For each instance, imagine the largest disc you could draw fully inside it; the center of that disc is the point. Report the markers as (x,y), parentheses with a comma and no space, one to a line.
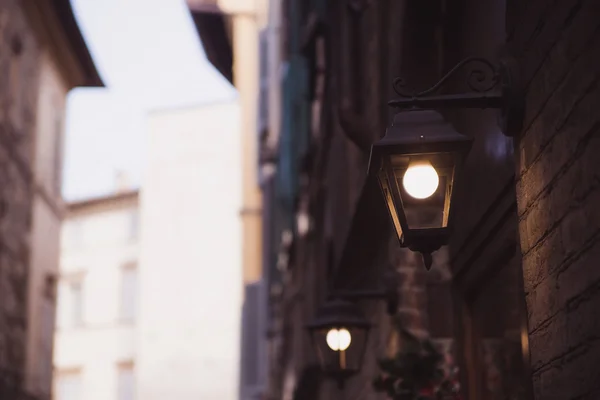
(303,223)
(338,340)
(420,179)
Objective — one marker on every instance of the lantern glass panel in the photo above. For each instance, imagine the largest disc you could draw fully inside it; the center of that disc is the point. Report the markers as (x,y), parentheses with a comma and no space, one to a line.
(387,184)
(344,359)
(432,211)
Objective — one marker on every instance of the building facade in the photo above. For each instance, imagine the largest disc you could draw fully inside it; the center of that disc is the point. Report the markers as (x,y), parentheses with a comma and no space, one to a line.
(44,56)
(234,34)
(510,299)
(97,319)
(191,257)
(150,291)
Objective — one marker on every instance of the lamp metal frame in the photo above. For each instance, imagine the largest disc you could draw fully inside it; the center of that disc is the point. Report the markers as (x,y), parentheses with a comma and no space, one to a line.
(495,86)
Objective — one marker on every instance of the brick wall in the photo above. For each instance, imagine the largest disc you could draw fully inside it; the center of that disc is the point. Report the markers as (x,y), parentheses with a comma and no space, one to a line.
(558,191)
(18,90)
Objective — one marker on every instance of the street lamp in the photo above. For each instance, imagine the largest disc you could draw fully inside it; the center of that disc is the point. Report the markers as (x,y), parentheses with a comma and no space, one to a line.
(339,335)
(417,161)
(340,331)
(415,164)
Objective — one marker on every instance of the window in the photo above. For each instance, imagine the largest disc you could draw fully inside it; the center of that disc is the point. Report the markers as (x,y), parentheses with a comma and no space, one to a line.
(68,385)
(70,302)
(76,294)
(128,292)
(133,225)
(125,381)
(74,234)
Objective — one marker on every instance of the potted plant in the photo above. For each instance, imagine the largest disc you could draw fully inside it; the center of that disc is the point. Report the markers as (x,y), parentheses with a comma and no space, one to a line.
(417,372)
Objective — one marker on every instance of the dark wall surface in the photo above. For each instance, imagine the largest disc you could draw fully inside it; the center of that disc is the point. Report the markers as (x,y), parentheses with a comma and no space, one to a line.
(549,285)
(558,172)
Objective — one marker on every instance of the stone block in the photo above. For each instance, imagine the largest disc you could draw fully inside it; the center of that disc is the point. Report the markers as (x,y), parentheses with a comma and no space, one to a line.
(580,273)
(542,304)
(573,42)
(576,375)
(558,111)
(568,190)
(552,385)
(549,28)
(577,229)
(542,260)
(528,20)
(561,151)
(548,342)
(581,327)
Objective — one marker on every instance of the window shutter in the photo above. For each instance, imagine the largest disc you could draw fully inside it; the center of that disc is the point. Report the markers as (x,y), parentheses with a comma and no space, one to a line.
(263,97)
(129,280)
(253,341)
(69,386)
(263,109)
(126,383)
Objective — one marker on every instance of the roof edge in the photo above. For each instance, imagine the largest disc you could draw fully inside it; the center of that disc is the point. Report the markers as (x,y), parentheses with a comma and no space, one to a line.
(68,22)
(95,201)
(212,30)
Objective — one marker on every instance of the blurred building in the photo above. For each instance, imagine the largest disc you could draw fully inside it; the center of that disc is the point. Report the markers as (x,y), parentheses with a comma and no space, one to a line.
(234,34)
(511,299)
(44,56)
(97,319)
(191,255)
(150,291)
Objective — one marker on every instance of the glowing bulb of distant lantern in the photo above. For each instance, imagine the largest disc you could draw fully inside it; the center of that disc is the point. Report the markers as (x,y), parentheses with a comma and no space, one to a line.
(338,339)
(420,180)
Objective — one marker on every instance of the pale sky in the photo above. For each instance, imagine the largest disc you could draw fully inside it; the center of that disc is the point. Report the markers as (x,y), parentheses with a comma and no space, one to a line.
(150,57)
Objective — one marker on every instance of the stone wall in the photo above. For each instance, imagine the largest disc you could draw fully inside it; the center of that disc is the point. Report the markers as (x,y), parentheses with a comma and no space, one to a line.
(19,55)
(558,191)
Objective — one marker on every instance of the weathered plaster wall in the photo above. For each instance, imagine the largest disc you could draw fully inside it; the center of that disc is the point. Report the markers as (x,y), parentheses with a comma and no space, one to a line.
(19,55)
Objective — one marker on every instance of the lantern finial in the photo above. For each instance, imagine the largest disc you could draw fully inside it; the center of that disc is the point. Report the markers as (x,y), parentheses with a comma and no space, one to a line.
(427,260)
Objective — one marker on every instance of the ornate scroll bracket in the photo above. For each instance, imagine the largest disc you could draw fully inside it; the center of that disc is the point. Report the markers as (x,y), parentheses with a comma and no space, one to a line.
(480,80)
(492,86)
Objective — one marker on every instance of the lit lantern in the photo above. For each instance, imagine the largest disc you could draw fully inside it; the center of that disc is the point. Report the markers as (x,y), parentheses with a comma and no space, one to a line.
(416,165)
(339,334)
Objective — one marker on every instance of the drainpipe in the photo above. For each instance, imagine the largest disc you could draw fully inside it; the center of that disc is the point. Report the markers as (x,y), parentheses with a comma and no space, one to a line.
(350,113)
